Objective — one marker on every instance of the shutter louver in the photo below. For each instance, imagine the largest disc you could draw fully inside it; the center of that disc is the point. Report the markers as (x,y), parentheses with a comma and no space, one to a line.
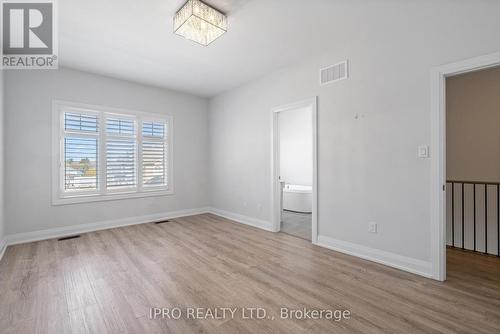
(80,122)
(153,163)
(120,153)
(120,126)
(80,151)
(153,154)
(80,155)
(153,129)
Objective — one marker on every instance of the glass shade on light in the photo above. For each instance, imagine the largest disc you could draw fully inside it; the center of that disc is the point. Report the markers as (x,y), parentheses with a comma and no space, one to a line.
(199,22)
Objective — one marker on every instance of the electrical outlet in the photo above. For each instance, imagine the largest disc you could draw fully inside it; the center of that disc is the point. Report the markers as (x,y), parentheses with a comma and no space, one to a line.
(259,207)
(245,204)
(372,227)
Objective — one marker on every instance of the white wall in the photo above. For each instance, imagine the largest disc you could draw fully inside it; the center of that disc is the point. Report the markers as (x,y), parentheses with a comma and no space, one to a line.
(2,211)
(295,129)
(472,122)
(369,126)
(29,96)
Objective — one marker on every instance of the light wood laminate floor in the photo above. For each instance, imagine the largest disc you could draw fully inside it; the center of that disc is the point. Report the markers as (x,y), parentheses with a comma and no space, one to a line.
(106,282)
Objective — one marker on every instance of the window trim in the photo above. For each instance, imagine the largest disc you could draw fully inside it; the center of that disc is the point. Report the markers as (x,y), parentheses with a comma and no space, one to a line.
(61,197)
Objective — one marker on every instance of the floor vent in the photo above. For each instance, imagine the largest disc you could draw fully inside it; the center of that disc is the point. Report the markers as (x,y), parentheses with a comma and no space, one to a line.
(334,73)
(69,238)
(162,222)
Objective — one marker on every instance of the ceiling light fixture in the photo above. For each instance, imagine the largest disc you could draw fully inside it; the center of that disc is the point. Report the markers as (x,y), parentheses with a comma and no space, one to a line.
(199,22)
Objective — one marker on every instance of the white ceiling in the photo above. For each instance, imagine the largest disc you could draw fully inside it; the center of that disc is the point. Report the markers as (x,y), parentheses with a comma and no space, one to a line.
(133,40)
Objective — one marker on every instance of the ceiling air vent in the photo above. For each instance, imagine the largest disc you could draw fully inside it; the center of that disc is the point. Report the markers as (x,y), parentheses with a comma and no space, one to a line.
(334,73)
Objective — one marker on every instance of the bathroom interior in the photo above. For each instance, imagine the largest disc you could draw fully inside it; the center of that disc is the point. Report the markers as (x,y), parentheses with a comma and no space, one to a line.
(296,171)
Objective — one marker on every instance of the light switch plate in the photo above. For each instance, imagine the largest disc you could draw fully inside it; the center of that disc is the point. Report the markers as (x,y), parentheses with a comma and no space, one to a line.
(423,151)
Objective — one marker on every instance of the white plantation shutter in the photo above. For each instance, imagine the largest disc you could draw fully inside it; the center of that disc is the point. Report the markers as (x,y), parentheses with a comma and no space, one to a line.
(80,150)
(120,163)
(75,121)
(153,163)
(80,168)
(154,155)
(116,126)
(120,153)
(109,153)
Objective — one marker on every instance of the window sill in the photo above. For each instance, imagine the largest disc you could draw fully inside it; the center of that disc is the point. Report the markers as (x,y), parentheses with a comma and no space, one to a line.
(109,197)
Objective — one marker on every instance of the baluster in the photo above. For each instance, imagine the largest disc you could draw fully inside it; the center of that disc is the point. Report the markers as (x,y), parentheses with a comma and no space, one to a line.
(486,218)
(453,215)
(463,199)
(474,185)
(463,221)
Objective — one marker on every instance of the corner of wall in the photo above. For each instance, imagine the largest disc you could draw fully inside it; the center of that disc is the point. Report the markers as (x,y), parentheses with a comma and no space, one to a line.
(2,115)
(250,221)
(210,161)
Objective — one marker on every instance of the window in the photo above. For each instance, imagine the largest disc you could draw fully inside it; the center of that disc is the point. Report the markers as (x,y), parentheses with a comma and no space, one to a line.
(80,151)
(102,153)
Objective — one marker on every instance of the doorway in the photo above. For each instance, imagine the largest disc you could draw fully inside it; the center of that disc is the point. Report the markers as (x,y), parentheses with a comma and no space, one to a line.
(472,168)
(466,210)
(294,177)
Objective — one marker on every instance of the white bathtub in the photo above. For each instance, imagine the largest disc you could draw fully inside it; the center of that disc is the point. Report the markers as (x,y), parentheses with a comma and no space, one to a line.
(297,198)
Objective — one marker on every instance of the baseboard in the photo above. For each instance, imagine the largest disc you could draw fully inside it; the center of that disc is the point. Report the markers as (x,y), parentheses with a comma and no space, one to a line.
(262,224)
(412,265)
(415,266)
(3,248)
(59,232)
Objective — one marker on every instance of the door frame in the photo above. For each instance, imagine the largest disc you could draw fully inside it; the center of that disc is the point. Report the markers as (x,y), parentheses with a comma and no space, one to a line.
(275,166)
(438,182)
